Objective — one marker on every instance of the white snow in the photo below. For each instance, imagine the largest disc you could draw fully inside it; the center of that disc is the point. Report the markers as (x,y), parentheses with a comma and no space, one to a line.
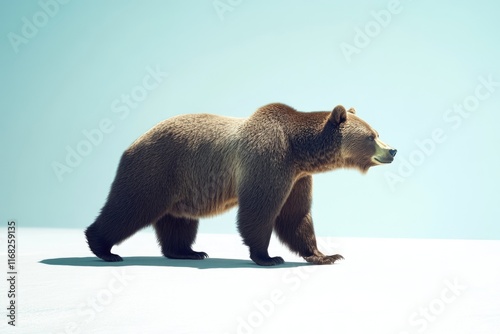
(389,286)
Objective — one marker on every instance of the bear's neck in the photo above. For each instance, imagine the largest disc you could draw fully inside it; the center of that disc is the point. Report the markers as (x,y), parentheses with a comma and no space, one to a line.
(316,146)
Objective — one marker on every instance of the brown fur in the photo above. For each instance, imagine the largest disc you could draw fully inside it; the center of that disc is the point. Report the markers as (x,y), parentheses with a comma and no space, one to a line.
(193,166)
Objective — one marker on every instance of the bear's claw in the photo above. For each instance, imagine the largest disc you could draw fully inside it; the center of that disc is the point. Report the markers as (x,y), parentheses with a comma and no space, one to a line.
(200,255)
(111,257)
(189,256)
(323,259)
(269,261)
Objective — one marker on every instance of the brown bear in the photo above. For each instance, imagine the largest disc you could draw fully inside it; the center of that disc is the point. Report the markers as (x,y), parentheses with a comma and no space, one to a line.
(193,166)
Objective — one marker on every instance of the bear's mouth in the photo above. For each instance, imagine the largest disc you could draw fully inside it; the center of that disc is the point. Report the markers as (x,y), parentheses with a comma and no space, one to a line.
(380,161)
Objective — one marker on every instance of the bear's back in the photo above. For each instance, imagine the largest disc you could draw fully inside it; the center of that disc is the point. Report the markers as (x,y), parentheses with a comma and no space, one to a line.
(192,129)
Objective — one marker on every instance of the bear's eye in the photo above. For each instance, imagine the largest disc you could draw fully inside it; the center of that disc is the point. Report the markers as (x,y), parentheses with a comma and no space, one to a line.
(371,138)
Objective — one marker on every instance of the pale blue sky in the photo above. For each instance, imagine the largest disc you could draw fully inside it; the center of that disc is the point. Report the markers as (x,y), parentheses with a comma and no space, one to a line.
(72,72)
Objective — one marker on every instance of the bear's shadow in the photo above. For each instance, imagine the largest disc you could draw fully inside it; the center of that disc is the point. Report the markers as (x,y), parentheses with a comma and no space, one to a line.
(158,261)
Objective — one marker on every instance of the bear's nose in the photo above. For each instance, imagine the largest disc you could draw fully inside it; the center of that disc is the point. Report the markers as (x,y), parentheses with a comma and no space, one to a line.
(393,152)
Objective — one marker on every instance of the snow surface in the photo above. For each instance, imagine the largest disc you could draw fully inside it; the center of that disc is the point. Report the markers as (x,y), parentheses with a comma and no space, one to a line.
(389,286)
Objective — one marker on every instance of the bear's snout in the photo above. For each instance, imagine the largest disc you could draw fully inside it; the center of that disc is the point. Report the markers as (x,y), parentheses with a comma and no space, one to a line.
(384,154)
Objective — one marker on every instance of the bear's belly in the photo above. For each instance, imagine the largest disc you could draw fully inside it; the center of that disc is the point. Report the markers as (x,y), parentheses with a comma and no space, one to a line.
(198,206)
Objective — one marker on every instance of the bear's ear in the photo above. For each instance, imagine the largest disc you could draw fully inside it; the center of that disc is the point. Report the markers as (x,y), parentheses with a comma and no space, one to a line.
(352,110)
(338,115)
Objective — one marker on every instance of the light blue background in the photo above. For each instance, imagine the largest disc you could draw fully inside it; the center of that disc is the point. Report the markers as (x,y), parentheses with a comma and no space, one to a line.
(427,58)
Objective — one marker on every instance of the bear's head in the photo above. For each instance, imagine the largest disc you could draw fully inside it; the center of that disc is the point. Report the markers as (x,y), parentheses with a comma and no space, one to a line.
(361,146)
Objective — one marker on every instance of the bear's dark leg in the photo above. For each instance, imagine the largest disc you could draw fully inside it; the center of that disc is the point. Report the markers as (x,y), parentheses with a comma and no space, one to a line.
(127,210)
(99,244)
(176,235)
(256,235)
(259,204)
(294,225)
(117,222)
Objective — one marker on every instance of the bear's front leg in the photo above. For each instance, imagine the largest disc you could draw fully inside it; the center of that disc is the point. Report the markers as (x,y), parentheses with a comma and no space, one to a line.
(256,227)
(294,225)
(260,199)
(176,237)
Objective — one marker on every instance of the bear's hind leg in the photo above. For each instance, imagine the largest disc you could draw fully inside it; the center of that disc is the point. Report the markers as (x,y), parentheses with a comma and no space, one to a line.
(99,245)
(117,222)
(176,236)
(294,225)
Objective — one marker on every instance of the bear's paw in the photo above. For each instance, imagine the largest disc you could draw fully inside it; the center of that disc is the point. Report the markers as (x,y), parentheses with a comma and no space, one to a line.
(323,259)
